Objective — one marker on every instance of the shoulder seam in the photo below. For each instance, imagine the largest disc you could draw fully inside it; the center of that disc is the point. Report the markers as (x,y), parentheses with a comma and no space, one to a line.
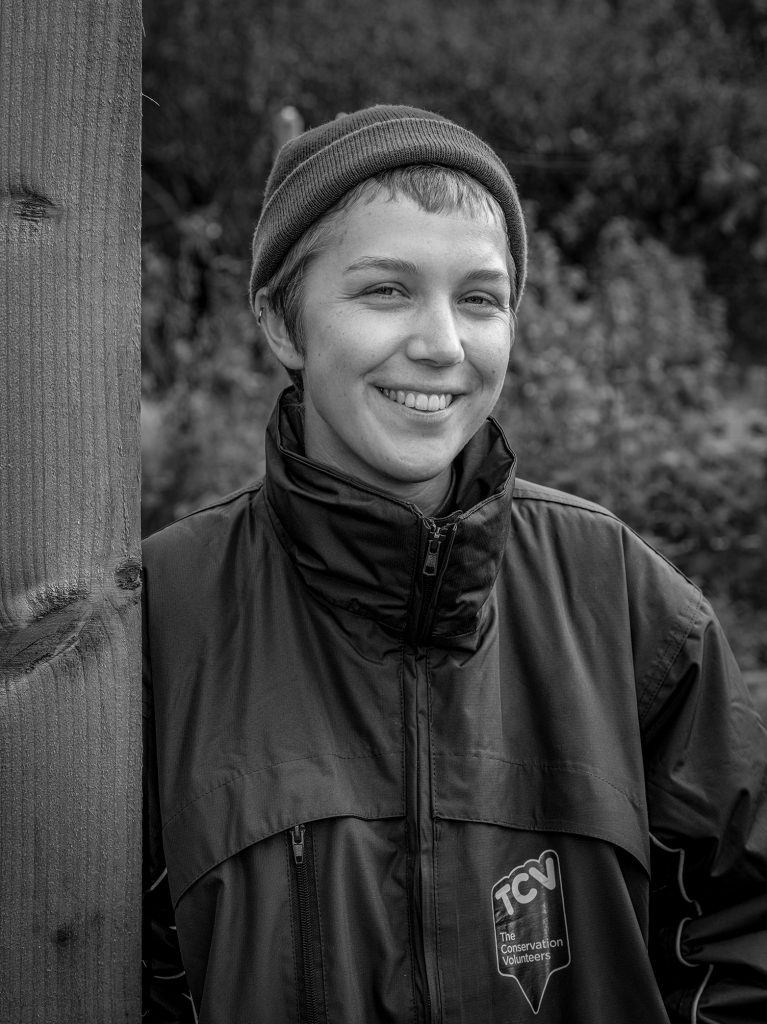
(547,495)
(537,492)
(227,499)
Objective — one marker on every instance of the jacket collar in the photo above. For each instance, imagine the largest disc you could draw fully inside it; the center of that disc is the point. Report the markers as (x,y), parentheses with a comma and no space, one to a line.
(380,557)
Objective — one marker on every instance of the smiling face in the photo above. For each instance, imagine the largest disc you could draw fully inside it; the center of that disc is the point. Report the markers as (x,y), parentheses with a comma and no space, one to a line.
(407,331)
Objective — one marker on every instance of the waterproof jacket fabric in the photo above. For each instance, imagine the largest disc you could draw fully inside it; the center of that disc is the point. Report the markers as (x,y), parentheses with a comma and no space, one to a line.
(497,767)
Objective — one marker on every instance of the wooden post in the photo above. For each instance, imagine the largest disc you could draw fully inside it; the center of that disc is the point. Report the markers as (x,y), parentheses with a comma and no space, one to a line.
(70,733)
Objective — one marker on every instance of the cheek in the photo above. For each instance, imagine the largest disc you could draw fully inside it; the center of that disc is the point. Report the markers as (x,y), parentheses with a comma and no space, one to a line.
(344,352)
(333,368)
(491,358)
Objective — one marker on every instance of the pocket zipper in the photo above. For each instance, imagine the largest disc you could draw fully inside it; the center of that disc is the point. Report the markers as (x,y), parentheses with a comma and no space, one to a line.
(301,847)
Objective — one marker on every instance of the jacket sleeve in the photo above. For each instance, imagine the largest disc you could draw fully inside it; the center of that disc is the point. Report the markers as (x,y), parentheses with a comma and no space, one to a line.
(706,775)
(166,998)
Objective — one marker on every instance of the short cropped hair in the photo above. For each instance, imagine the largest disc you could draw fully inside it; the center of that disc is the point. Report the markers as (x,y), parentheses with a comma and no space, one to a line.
(434,188)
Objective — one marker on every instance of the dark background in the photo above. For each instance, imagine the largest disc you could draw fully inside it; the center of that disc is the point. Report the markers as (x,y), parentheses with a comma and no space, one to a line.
(637,134)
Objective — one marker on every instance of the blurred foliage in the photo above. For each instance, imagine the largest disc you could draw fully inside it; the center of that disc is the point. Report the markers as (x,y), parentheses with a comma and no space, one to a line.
(622,393)
(637,133)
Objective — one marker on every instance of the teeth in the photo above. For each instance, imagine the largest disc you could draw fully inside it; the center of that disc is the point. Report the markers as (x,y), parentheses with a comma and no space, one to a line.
(418,399)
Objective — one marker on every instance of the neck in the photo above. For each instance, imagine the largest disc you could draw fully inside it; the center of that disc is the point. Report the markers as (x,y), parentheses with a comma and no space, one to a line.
(428,495)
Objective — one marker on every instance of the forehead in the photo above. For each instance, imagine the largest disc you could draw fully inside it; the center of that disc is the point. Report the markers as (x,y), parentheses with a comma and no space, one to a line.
(397,225)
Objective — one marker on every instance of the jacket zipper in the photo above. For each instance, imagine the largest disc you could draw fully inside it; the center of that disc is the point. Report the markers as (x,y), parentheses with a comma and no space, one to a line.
(433,545)
(426,838)
(300,841)
(439,541)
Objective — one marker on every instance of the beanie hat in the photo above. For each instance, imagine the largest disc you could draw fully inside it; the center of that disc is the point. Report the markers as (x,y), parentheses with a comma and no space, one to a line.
(312,172)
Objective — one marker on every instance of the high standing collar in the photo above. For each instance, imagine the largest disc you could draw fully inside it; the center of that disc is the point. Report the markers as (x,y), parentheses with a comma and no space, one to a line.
(360,549)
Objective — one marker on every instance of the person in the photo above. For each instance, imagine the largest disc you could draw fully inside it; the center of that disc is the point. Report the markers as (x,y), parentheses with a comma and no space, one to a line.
(427,742)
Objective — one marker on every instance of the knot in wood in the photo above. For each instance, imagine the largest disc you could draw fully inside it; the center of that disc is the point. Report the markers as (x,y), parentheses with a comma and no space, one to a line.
(128,574)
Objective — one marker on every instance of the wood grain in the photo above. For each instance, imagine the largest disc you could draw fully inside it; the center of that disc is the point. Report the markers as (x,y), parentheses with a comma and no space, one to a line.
(69,500)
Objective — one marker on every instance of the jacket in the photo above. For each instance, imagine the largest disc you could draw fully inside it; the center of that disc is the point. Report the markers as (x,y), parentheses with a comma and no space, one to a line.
(494,767)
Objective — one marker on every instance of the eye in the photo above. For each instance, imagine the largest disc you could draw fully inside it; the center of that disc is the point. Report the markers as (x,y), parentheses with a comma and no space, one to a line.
(482,301)
(384,293)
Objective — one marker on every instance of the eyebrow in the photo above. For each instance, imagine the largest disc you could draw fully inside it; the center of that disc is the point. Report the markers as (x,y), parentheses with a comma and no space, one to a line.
(399,266)
(488,274)
(382,263)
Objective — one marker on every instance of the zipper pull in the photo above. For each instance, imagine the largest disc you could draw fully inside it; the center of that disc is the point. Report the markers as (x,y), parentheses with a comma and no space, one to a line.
(432,551)
(297,839)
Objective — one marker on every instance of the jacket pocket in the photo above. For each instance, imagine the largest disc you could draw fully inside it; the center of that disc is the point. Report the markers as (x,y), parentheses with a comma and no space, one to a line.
(305,926)
(250,806)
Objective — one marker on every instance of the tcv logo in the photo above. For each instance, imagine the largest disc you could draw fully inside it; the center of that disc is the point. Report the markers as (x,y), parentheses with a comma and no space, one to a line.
(531,941)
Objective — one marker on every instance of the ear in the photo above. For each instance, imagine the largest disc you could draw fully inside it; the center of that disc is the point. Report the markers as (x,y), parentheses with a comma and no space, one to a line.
(276,333)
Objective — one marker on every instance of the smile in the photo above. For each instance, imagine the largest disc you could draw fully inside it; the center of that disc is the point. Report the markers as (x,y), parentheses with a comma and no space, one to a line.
(418,399)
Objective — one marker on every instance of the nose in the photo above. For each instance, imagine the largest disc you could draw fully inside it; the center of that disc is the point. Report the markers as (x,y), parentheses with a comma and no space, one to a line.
(436,337)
